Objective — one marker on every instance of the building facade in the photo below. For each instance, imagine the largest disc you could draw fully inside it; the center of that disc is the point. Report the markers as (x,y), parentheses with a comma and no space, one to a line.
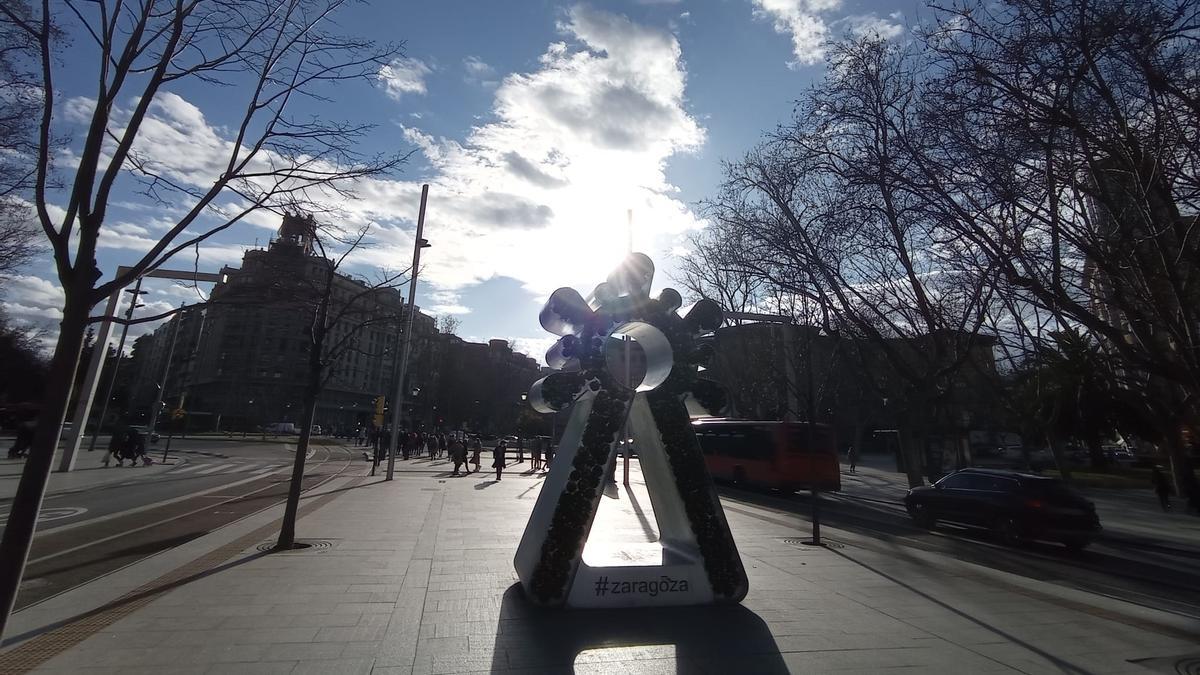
(241,362)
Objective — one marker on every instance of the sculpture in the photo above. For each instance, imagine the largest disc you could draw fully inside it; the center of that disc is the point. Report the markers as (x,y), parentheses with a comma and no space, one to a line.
(700,559)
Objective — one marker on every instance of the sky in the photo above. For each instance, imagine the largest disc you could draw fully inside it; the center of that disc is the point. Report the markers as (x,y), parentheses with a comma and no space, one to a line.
(550,135)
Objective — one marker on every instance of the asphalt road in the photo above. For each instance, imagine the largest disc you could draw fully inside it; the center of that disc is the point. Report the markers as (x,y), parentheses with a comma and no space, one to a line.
(1163,576)
(86,532)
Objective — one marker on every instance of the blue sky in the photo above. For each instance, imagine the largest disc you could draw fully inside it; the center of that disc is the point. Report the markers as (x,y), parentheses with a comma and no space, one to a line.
(538,126)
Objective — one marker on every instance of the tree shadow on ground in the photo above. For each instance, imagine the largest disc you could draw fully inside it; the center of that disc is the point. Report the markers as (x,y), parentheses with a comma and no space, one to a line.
(701,639)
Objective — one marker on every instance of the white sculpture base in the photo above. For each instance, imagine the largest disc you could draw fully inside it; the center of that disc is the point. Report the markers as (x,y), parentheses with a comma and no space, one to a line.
(679,579)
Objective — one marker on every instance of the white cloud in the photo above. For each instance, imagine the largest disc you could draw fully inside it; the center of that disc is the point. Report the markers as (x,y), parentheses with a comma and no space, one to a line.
(872,25)
(404,76)
(540,194)
(535,347)
(802,21)
(479,73)
(447,302)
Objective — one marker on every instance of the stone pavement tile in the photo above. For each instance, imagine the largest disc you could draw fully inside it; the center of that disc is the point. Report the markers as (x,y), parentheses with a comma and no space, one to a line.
(298,610)
(138,622)
(363,608)
(342,634)
(228,610)
(256,621)
(641,666)
(391,670)
(261,668)
(357,666)
(324,620)
(352,650)
(303,651)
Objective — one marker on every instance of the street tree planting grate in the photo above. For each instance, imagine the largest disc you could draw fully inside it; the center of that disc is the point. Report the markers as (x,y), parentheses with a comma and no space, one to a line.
(299,546)
(808,543)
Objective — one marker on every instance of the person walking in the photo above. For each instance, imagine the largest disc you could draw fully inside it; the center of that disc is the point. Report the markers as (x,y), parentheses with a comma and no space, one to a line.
(476,451)
(550,450)
(852,457)
(458,455)
(535,453)
(498,457)
(24,439)
(1161,487)
(520,450)
(116,446)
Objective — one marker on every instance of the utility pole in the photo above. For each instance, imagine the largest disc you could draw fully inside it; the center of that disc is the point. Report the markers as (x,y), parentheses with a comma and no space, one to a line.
(112,380)
(162,388)
(419,244)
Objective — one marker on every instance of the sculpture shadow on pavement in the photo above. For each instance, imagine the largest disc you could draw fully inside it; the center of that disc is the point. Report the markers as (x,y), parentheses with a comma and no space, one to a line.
(700,639)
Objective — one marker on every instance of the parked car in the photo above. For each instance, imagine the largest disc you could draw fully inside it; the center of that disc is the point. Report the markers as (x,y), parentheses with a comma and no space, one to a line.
(1016,506)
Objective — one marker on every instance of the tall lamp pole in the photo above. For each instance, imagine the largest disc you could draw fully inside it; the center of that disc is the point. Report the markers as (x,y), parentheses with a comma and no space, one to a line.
(112,379)
(419,244)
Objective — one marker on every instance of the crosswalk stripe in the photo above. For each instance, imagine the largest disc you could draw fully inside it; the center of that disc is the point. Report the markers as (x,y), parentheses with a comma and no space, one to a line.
(214,469)
(187,467)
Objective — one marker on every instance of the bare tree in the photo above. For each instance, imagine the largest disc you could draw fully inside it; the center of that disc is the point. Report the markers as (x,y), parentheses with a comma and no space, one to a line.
(19,233)
(447,324)
(1066,154)
(822,213)
(309,281)
(261,55)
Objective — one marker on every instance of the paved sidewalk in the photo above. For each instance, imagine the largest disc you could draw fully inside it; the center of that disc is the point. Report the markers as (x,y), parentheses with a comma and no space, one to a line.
(415,575)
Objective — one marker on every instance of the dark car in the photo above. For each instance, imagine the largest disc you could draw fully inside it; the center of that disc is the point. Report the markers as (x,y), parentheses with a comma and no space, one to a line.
(1016,506)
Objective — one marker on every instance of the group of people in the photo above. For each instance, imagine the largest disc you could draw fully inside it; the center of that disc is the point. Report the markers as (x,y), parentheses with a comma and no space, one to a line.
(464,450)
(541,448)
(127,443)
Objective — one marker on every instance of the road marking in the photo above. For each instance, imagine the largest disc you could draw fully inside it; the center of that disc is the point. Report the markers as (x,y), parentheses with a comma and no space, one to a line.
(59,513)
(118,514)
(54,513)
(214,469)
(186,468)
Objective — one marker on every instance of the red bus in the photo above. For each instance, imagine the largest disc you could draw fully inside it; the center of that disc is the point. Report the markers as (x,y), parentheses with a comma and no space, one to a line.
(770,454)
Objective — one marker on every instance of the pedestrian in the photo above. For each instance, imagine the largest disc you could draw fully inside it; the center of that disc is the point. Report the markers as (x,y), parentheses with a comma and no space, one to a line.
(550,450)
(520,450)
(1161,487)
(443,445)
(476,451)
(498,457)
(24,439)
(134,448)
(852,457)
(458,455)
(535,453)
(116,446)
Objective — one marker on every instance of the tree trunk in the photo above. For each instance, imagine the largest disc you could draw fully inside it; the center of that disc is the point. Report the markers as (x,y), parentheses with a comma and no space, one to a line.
(1096,453)
(287,531)
(1181,468)
(22,520)
(1056,449)
(912,452)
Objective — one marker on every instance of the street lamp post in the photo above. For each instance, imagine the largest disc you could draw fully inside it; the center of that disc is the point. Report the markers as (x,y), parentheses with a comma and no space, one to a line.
(418,244)
(112,380)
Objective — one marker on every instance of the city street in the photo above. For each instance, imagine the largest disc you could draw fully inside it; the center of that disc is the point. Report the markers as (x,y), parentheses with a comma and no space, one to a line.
(96,519)
(416,576)
(1127,563)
